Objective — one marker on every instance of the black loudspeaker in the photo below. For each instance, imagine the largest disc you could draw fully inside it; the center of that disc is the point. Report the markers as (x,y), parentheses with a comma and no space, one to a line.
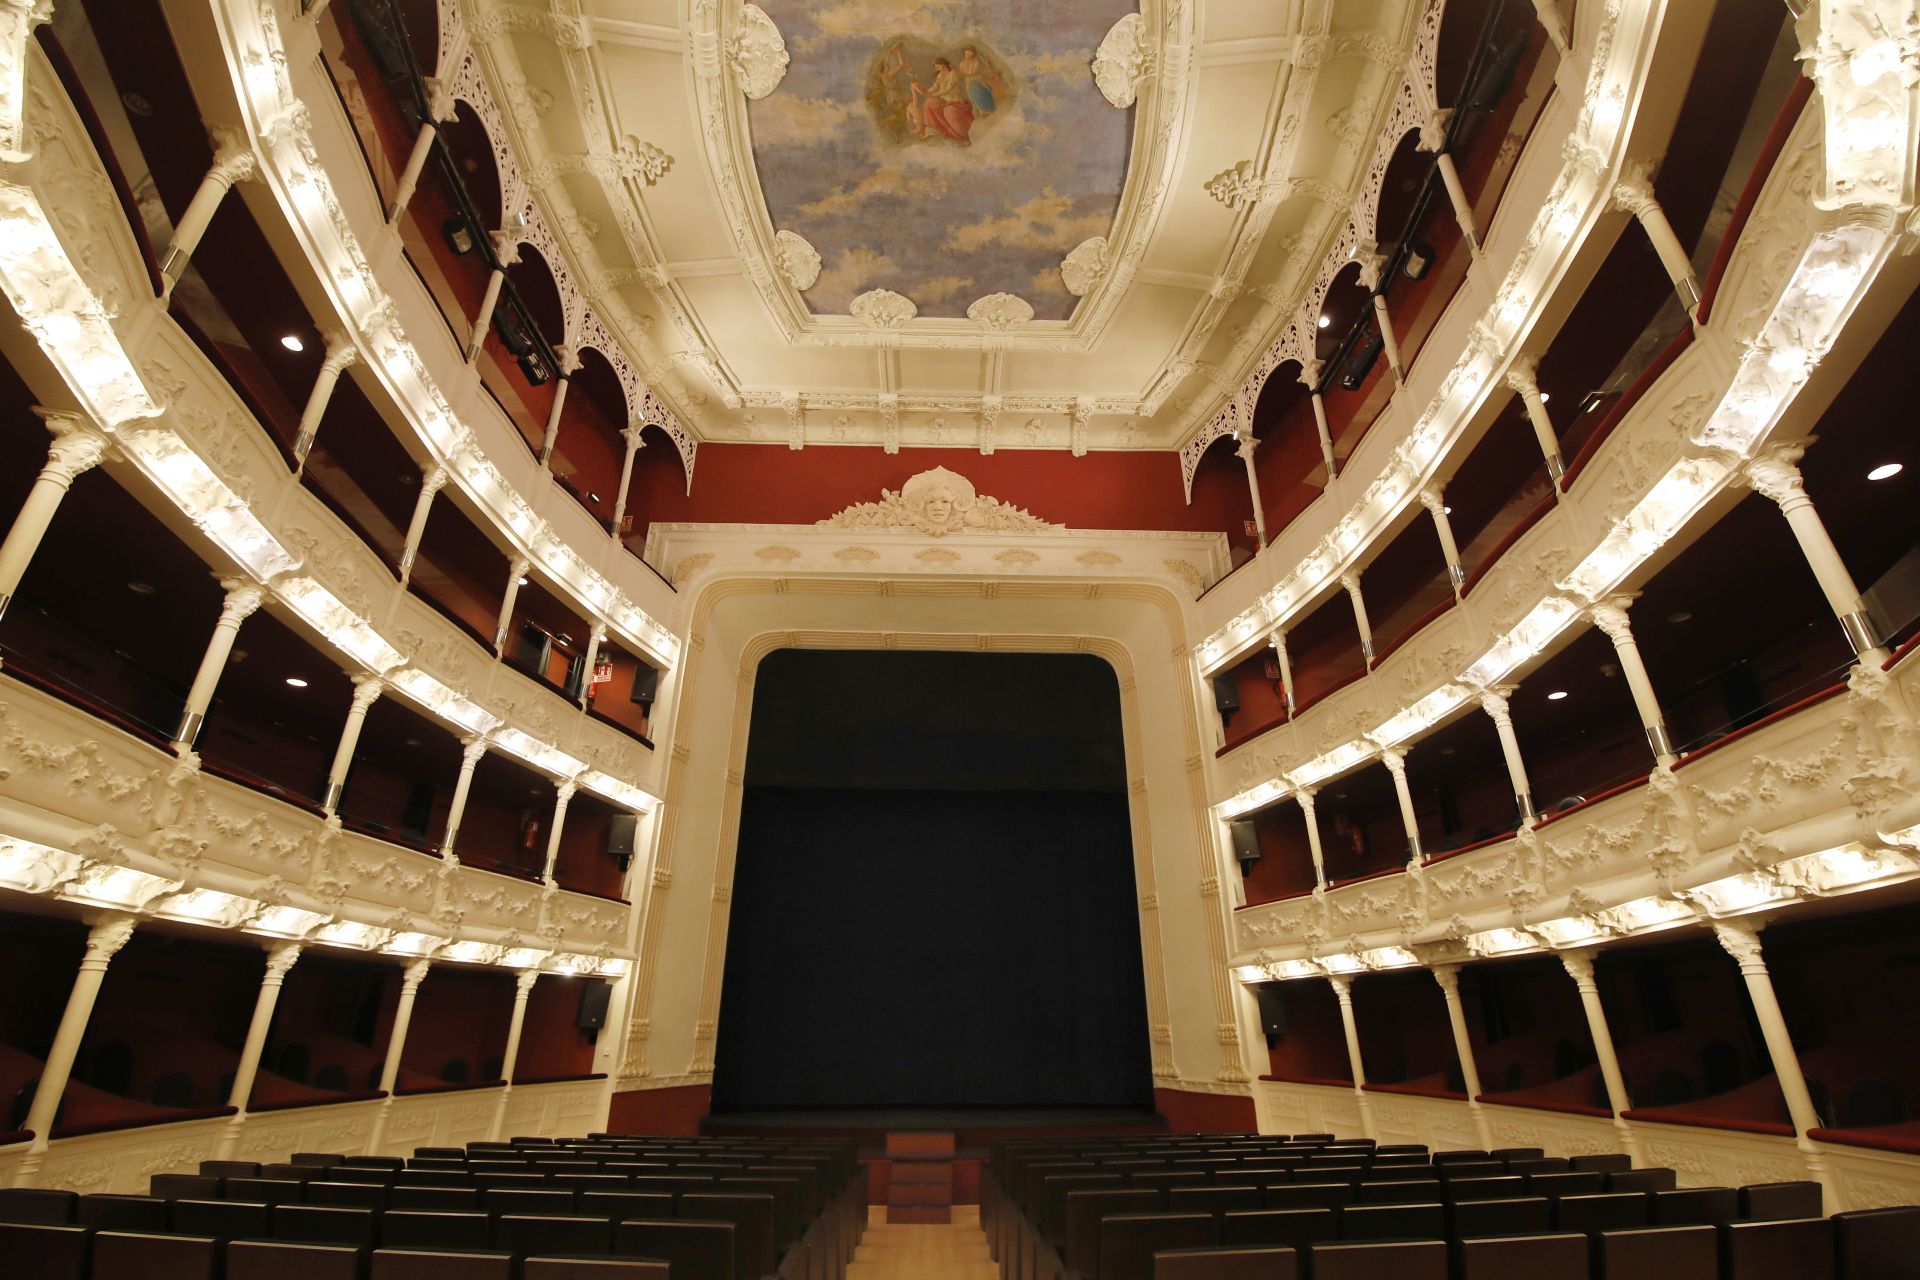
(1273,1010)
(1246,843)
(646,684)
(620,834)
(1360,363)
(593,1005)
(1226,696)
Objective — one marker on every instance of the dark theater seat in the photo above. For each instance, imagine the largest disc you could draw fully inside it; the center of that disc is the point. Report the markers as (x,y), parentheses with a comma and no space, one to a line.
(1786,1249)
(1768,1200)
(1542,1257)
(31,1204)
(594,1269)
(440,1264)
(283,1260)
(695,1250)
(127,1255)
(1877,1244)
(122,1213)
(1226,1264)
(37,1249)
(1378,1259)
(1128,1241)
(1657,1253)
(526,1234)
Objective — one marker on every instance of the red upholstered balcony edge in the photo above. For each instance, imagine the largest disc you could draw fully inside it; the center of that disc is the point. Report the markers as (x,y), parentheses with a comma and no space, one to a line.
(1505,544)
(1908,1144)
(1415,1091)
(593,1075)
(294,1105)
(11,1136)
(1565,1108)
(386,836)
(1420,623)
(1351,676)
(1495,838)
(589,893)
(419,1090)
(1902,651)
(1621,407)
(1750,194)
(629,730)
(263,786)
(1608,794)
(506,869)
(1329,1084)
(143,1122)
(1397,869)
(25,674)
(1761,723)
(1223,577)
(1236,743)
(1285,897)
(1732,1123)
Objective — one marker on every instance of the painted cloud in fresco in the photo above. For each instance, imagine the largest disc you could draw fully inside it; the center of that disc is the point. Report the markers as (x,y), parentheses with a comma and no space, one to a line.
(944,149)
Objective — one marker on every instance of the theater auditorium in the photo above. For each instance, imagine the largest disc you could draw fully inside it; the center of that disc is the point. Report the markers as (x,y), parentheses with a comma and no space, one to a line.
(959,640)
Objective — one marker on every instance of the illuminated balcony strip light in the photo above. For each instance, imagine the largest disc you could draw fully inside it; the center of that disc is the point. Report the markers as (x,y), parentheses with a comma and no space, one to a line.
(51,297)
(1572,203)
(284,143)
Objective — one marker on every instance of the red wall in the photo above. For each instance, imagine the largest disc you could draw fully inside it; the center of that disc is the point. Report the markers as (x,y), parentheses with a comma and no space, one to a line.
(1204,1112)
(674,1113)
(552,1047)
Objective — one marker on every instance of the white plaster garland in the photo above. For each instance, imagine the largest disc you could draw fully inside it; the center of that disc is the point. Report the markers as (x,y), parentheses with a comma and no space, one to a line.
(757,53)
(799,261)
(936,503)
(1124,60)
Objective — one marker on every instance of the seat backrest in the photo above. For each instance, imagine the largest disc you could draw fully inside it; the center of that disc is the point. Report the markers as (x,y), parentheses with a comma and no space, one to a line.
(440,1264)
(1608,1162)
(230,1168)
(1542,1257)
(620,1205)
(1656,1253)
(1568,1183)
(50,1249)
(317,1159)
(262,1191)
(553,1200)
(285,1260)
(1520,1216)
(423,1229)
(1292,1228)
(1491,1188)
(133,1255)
(593,1269)
(1457,1170)
(695,1250)
(1642,1180)
(1128,1241)
(183,1186)
(1786,1249)
(122,1213)
(34,1204)
(221,1219)
(347,1195)
(525,1234)
(1768,1200)
(1609,1211)
(1051,1207)
(752,1217)
(786,1202)
(1373,1259)
(1393,1222)
(1226,1264)
(1085,1209)
(1214,1200)
(289,1172)
(1308,1195)
(436,1199)
(1539,1164)
(1876,1244)
(1689,1205)
(1412,1191)
(324,1224)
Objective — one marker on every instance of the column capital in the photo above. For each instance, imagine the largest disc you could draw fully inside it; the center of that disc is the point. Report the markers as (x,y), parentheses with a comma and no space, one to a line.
(1396,762)
(367,688)
(1774,473)
(1633,191)
(1433,129)
(441,106)
(564,792)
(1610,615)
(1448,976)
(1372,262)
(433,479)
(1579,967)
(1247,446)
(471,749)
(506,246)
(281,957)
(631,434)
(414,974)
(1431,498)
(523,983)
(243,597)
(1305,795)
(110,931)
(1342,984)
(340,351)
(1493,701)
(1351,581)
(518,567)
(569,354)
(233,158)
(1523,375)
(1310,372)
(77,444)
(1741,940)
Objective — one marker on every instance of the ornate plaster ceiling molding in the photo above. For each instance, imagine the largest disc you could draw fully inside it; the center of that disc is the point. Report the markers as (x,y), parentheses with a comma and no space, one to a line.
(799,261)
(1124,60)
(756,54)
(1000,312)
(1081,270)
(883,309)
(937,503)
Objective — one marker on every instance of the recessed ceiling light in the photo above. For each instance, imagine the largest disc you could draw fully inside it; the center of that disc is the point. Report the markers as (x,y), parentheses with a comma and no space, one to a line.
(1545,396)
(142,588)
(1446,511)
(593,497)
(1556,695)
(292,342)
(1679,616)
(521,580)
(1325,320)
(296,682)
(410,742)
(1885,471)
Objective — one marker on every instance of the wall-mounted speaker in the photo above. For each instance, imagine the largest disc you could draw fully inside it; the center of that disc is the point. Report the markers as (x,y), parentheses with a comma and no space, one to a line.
(1272,999)
(646,685)
(1246,843)
(1226,696)
(593,1005)
(620,837)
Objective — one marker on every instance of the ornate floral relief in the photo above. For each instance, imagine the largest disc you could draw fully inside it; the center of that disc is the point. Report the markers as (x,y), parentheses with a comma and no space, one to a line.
(937,503)
(756,53)
(882,309)
(1124,60)
(799,261)
(1082,269)
(1000,311)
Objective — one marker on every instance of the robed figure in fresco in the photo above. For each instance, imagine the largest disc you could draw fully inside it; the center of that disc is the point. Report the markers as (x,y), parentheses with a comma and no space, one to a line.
(947,102)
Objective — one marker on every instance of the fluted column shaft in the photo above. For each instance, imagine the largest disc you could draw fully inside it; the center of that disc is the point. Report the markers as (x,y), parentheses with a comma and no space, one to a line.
(431,483)
(1494,703)
(1343,992)
(280,958)
(366,689)
(569,365)
(1310,378)
(516,569)
(1436,506)
(522,988)
(1522,376)
(635,444)
(1611,617)
(233,161)
(1279,642)
(1634,194)
(1390,344)
(1775,474)
(561,796)
(469,758)
(104,940)
(1448,978)
(1396,763)
(506,252)
(440,110)
(1351,581)
(1245,451)
(76,448)
(242,599)
(1579,967)
(341,353)
(410,981)
(1305,796)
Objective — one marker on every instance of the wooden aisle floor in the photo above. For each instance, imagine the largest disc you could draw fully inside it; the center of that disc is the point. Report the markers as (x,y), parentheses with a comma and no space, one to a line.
(956,1251)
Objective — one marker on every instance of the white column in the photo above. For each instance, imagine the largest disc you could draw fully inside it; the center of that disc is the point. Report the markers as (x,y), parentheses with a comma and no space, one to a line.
(1522,376)
(1775,474)
(506,252)
(431,483)
(233,161)
(1436,507)
(522,988)
(340,353)
(561,796)
(280,958)
(1279,642)
(410,981)
(1343,991)
(1548,12)
(1310,379)
(440,110)
(1633,193)
(1448,976)
(1579,967)
(104,940)
(516,569)
(76,448)
(1245,451)
(1494,702)
(1371,265)
(631,434)
(1351,581)
(242,599)
(1741,939)
(471,751)
(569,365)
(1396,762)
(1433,137)
(1610,616)
(595,638)
(366,688)
(1305,795)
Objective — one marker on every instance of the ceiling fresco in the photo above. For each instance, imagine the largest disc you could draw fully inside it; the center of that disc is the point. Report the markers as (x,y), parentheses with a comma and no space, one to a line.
(944,149)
